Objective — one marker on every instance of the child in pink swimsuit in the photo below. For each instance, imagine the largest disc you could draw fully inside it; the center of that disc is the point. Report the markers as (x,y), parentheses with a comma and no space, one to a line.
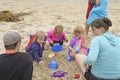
(56,36)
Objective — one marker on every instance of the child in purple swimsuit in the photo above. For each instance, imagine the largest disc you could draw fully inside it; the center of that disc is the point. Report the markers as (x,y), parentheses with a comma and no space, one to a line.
(76,44)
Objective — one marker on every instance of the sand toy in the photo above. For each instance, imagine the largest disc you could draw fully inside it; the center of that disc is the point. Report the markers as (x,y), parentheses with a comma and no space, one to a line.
(57,48)
(53,65)
(59,74)
(76,76)
(69,58)
(52,55)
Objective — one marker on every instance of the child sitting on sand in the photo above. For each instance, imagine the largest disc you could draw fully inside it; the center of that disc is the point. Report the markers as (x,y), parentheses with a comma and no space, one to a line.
(36,48)
(76,44)
(56,36)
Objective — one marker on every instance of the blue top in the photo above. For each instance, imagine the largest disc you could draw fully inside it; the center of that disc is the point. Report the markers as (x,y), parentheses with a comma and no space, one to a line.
(36,49)
(98,12)
(104,56)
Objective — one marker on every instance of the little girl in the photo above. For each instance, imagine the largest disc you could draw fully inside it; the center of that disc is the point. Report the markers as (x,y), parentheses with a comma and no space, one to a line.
(36,48)
(76,44)
(56,36)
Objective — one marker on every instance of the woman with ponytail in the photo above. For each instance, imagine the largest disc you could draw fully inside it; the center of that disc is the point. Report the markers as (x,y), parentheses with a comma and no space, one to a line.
(104,54)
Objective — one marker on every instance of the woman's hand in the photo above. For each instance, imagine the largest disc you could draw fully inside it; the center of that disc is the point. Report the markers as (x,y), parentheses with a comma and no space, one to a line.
(97,2)
(86,67)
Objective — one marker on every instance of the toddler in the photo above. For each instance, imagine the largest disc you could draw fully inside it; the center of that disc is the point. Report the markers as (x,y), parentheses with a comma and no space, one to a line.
(76,44)
(36,48)
(56,36)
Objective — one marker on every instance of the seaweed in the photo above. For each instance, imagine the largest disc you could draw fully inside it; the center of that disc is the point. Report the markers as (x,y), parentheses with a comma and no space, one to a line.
(8,16)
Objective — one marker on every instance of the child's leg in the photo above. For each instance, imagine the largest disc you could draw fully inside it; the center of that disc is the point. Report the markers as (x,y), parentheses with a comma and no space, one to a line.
(41,52)
(51,44)
(79,59)
(61,41)
(40,55)
(54,42)
(84,51)
(86,28)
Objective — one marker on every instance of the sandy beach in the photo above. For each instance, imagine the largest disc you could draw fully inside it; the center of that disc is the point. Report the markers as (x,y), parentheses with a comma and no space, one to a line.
(45,15)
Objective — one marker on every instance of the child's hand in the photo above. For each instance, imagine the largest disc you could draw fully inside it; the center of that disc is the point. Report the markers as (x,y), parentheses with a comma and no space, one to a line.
(73,51)
(51,42)
(41,62)
(87,67)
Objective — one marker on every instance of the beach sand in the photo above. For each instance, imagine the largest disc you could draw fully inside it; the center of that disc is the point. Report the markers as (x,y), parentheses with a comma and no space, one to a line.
(45,15)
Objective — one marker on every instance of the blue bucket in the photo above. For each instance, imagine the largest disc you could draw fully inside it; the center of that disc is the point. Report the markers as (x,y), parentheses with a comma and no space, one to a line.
(57,48)
(53,65)
(69,58)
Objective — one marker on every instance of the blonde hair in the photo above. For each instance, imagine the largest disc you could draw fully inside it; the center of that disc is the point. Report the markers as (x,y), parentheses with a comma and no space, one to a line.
(58,29)
(78,30)
(39,34)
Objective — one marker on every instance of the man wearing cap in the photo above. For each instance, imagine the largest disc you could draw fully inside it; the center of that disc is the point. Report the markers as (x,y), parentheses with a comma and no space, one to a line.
(14,65)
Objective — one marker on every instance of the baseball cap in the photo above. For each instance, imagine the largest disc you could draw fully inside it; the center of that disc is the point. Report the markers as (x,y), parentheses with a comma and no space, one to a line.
(11,37)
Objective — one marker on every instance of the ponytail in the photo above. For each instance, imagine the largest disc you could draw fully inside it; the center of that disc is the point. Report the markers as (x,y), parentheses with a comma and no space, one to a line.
(107,22)
(104,22)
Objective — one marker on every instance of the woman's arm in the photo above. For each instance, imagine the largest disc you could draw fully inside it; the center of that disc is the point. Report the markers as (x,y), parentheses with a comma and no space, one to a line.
(93,54)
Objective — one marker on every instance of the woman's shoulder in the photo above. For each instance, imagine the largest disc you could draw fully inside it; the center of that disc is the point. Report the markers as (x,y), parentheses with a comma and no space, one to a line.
(98,38)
